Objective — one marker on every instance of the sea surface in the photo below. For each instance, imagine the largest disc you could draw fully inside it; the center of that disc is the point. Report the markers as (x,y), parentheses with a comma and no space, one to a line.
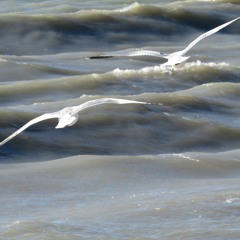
(170,170)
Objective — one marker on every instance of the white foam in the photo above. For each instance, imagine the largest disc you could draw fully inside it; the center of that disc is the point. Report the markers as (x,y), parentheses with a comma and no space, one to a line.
(184,156)
(230,200)
(128,8)
(191,65)
(143,71)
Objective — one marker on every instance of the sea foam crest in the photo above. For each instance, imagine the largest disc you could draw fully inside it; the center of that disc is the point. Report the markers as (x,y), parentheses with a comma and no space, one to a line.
(198,63)
(162,69)
(128,8)
(142,71)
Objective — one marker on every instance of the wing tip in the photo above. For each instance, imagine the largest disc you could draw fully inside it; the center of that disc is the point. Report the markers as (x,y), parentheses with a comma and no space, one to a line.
(98,57)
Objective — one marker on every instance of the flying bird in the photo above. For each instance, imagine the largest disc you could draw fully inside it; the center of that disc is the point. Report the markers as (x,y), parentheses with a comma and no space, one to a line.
(172,59)
(68,116)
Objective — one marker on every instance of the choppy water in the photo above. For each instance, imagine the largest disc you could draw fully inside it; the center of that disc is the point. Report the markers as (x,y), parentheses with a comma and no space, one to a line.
(167,171)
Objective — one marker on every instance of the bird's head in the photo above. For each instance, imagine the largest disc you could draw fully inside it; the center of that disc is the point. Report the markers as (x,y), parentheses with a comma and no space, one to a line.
(67,120)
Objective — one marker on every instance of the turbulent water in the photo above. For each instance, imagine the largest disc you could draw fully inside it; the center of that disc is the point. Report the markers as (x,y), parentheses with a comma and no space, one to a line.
(166,171)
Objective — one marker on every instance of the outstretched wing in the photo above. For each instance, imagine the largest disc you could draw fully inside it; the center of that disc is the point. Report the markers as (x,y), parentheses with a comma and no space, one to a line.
(33,121)
(214,30)
(96,102)
(131,54)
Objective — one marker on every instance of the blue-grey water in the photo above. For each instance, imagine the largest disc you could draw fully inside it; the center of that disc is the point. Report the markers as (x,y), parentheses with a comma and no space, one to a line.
(168,171)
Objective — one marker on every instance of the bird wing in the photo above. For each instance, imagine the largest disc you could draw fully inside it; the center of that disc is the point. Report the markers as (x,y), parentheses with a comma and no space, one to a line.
(33,121)
(131,53)
(140,52)
(96,102)
(206,34)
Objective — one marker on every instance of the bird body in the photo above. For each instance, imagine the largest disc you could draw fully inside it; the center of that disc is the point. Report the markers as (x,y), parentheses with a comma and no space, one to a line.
(68,116)
(172,59)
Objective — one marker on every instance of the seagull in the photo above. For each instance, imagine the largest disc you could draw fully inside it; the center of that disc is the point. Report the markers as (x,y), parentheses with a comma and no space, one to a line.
(68,116)
(172,59)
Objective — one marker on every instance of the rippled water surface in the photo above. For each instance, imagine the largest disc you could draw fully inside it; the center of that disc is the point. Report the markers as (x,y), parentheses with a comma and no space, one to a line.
(166,171)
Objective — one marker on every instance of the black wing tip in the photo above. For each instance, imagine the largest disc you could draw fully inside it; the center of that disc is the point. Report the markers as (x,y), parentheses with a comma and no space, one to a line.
(98,57)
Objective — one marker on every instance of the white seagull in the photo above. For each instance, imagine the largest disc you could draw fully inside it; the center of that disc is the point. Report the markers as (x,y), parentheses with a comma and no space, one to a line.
(69,115)
(172,59)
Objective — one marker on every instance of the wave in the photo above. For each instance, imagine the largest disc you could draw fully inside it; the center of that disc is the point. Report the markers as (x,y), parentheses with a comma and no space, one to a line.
(78,64)
(190,67)
(200,100)
(184,122)
(127,81)
(140,23)
(185,165)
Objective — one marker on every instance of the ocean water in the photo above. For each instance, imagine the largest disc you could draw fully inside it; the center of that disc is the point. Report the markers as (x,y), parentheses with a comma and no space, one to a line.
(166,171)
